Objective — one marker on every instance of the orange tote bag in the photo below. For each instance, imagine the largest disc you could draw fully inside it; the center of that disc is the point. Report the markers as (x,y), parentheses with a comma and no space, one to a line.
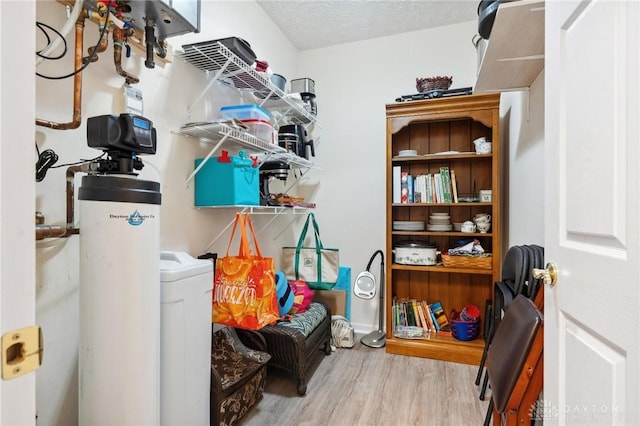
(244,287)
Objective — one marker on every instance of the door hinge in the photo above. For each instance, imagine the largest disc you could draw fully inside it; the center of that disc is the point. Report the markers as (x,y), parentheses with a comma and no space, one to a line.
(21,351)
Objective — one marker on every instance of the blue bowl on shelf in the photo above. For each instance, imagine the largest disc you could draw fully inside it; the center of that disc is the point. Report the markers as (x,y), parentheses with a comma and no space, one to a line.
(465,330)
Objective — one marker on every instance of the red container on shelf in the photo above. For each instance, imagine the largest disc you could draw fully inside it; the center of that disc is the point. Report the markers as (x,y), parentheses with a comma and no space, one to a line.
(262,129)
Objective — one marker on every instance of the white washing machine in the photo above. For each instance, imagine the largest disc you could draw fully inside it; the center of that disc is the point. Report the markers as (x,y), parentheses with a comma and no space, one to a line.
(185,342)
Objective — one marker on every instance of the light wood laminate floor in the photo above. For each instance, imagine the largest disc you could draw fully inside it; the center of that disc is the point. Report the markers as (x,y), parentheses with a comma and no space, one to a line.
(365,386)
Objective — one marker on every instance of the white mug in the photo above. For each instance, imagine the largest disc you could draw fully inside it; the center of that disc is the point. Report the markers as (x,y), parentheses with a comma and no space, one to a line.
(485,195)
(482,217)
(482,146)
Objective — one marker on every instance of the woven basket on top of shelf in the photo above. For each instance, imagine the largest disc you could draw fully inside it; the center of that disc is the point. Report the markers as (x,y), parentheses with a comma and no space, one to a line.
(427,84)
(477,262)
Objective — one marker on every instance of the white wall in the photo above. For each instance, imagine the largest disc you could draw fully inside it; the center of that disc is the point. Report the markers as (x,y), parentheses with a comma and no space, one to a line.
(353,83)
(523,127)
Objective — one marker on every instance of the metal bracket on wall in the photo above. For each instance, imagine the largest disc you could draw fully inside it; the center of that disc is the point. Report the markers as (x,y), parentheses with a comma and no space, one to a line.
(275,211)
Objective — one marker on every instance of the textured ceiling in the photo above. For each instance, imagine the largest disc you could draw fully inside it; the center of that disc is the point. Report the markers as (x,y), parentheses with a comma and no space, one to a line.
(311,24)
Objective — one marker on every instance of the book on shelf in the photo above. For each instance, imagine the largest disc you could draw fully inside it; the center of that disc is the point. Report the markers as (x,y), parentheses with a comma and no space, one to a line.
(444,332)
(427,315)
(411,189)
(411,321)
(428,188)
(423,320)
(438,184)
(416,315)
(454,186)
(421,189)
(396,184)
(417,192)
(429,183)
(446,184)
(404,187)
(401,313)
(440,316)
(394,314)
(436,326)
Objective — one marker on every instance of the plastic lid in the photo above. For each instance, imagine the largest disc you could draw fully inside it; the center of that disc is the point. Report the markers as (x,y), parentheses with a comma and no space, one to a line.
(178,265)
(244,107)
(415,244)
(231,111)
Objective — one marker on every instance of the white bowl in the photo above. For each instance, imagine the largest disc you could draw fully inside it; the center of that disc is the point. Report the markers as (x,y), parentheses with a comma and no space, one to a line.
(483,227)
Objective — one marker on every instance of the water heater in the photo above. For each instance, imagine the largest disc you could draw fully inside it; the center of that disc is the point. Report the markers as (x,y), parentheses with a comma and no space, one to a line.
(170,17)
(119,350)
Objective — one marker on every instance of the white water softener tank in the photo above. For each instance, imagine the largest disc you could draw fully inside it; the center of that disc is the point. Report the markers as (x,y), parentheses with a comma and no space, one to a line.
(119,350)
(185,339)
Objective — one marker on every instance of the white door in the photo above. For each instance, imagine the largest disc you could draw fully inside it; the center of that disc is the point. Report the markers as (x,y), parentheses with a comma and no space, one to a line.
(17,196)
(592,326)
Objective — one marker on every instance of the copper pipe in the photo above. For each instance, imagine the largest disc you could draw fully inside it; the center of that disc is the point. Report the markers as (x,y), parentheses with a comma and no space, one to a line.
(104,41)
(50,231)
(102,46)
(77,84)
(59,231)
(118,38)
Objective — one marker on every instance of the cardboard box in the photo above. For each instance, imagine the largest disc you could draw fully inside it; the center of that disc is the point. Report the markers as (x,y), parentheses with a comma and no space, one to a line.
(335,299)
(344,283)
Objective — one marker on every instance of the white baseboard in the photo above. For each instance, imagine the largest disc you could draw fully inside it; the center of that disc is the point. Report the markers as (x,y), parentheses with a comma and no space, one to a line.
(363,328)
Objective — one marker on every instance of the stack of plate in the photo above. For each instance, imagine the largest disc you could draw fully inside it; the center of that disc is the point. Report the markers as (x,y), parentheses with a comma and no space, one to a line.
(407,153)
(439,222)
(407,225)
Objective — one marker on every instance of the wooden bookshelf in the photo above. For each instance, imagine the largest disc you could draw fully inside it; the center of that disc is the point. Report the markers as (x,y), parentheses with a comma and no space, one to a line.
(431,127)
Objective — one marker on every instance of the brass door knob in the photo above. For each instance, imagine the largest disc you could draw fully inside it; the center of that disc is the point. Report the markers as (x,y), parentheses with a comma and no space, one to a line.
(548,275)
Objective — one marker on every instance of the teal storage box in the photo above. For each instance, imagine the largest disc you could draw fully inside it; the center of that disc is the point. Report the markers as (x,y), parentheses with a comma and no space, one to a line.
(344,283)
(227,180)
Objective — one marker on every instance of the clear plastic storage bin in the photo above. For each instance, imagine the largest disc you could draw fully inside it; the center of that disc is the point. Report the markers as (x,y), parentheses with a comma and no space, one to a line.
(245,112)
(262,130)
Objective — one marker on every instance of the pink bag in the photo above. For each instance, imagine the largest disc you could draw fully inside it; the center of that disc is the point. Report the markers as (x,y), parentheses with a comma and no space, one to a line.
(302,298)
